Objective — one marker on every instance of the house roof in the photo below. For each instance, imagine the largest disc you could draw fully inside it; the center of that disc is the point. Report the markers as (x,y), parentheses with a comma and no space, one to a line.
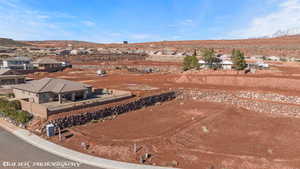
(19,58)
(273,57)
(226,62)
(4,71)
(201,62)
(52,85)
(46,61)
(8,72)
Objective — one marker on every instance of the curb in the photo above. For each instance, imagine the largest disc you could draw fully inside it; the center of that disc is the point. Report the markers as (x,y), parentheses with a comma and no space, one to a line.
(71,154)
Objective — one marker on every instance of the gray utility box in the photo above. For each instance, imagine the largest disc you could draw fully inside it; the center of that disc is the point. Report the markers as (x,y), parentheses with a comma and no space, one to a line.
(50,130)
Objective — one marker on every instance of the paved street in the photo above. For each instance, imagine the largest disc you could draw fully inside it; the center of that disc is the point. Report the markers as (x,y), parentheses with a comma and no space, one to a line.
(13,149)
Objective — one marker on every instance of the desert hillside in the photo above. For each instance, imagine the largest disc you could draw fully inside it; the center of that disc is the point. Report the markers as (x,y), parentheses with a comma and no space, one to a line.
(11,43)
(288,46)
(62,43)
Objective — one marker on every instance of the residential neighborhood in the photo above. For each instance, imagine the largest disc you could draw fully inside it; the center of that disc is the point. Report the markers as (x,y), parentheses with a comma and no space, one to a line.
(116,84)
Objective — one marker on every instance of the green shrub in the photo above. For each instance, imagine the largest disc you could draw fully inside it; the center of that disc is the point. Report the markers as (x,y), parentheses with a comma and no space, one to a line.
(23,116)
(238,58)
(13,110)
(209,56)
(190,62)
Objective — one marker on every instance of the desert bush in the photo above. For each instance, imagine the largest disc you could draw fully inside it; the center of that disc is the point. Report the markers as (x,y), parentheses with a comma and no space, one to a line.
(190,62)
(209,56)
(12,109)
(238,58)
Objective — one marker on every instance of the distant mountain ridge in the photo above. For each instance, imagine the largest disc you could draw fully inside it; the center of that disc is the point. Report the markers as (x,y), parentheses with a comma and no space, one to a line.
(287,32)
(62,43)
(11,43)
(285,45)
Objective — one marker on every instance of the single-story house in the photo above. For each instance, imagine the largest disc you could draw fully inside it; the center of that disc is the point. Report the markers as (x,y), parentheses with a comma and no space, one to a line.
(64,52)
(274,58)
(224,56)
(226,64)
(202,64)
(46,63)
(52,90)
(262,65)
(10,77)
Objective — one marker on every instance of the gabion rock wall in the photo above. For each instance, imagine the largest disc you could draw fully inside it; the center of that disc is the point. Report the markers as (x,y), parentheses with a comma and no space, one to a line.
(116,110)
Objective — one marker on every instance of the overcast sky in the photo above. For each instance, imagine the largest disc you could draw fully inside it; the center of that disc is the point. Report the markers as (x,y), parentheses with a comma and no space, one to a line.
(145,20)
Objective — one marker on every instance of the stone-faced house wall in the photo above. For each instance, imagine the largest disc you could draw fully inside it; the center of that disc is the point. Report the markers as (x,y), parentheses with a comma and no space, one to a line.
(35,109)
(22,94)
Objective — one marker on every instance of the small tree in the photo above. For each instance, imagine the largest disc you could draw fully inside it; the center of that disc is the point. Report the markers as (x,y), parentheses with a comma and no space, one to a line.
(209,56)
(190,62)
(194,62)
(186,63)
(238,59)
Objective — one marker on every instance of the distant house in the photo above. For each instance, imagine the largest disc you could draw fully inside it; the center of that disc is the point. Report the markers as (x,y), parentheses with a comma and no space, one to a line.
(74,52)
(274,58)
(7,50)
(52,90)
(226,64)
(46,63)
(10,77)
(257,57)
(64,52)
(66,64)
(258,65)
(262,65)
(224,56)
(17,63)
(202,64)
(80,52)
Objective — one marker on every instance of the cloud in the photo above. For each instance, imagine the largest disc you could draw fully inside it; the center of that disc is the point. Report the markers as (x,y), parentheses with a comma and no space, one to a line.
(88,23)
(10,3)
(287,16)
(187,22)
(20,22)
(140,36)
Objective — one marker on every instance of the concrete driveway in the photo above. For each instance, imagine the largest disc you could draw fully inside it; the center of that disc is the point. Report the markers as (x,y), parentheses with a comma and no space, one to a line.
(13,149)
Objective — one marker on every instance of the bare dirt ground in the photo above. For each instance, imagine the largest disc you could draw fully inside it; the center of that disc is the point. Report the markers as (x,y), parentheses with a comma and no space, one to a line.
(190,133)
(196,135)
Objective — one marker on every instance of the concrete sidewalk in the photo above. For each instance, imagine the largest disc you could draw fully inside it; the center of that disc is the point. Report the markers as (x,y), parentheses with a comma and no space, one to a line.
(68,153)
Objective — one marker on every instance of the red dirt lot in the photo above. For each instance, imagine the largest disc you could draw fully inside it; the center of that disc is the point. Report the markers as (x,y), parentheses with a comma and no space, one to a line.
(196,135)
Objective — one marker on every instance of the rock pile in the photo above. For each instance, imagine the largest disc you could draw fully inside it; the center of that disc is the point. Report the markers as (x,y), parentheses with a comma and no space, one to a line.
(141,68)
(270,97)
(275,104)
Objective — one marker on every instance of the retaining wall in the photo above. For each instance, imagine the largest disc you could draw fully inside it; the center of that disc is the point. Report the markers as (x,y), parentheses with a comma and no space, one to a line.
(243,81)
(165,68)
(24,72)
(270,105)
(115,110)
